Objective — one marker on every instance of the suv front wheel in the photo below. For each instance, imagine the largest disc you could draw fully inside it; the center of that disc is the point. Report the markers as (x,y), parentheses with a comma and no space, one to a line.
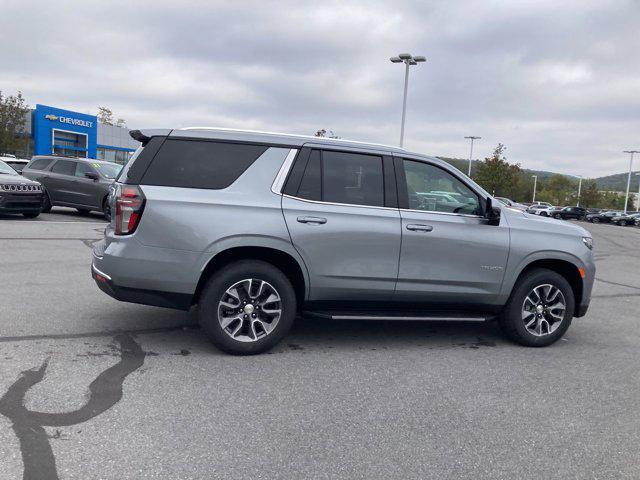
(540,309)
(247,307)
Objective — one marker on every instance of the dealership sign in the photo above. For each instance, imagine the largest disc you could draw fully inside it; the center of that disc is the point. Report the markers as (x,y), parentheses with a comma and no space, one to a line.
(69,120)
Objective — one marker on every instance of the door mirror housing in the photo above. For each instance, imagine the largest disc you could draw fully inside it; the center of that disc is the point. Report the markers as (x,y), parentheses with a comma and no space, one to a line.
(92,176)
(491,213)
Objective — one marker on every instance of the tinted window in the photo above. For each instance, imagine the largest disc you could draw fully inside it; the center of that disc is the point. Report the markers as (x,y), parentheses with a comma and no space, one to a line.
(83,168)
(64,167)
(433,189)
(200,164)
(352,178)
(40,163)
(311,184)
(108,170)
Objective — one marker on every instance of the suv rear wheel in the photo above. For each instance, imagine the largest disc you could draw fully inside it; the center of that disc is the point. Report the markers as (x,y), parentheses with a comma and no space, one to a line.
(247,307)
(540,309)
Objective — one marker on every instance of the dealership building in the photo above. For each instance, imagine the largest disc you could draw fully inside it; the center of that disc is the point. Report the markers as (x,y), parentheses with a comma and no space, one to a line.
(57,131)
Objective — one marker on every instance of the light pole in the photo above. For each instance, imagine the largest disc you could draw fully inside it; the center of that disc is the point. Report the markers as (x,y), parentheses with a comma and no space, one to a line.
(472,138)
(579,189)
(408,60)
(626,197)
(535,184)
(638,206)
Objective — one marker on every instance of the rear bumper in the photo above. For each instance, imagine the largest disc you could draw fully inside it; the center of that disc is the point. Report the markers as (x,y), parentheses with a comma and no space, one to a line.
(179,301)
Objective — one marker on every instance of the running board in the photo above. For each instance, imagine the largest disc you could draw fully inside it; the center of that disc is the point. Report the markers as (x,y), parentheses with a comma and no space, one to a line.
(380,316)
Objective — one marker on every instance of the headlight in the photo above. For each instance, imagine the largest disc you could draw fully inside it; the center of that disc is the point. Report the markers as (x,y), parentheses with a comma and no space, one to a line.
(588,241)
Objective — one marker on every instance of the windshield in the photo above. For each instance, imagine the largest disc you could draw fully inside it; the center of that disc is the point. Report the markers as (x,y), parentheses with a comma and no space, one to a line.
(6,169)
(108,170)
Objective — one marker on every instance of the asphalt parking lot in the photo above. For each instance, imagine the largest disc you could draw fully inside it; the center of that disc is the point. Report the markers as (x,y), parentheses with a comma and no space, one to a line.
(94,388)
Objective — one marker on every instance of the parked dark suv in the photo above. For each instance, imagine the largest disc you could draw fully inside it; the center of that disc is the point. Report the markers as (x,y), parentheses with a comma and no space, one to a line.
(566,213)
(18,194)
(80,183)
(254,227)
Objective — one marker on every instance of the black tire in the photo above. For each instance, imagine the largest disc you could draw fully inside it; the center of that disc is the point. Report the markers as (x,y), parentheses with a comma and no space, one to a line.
(215,289)
(544,214)
(83,211)
(557,216)
(46,203)
(511,322)
(31,214)
(623,223)
(595,220)
(106,210)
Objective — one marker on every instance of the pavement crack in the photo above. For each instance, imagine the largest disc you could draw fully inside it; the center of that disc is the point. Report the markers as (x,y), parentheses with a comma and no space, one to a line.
(104,392)
(618,284)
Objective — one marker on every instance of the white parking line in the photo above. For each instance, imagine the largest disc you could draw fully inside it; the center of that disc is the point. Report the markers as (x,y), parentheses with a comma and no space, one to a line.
(53,221)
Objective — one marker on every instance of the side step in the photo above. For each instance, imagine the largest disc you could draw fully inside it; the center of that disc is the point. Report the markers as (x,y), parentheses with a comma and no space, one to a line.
(431,317)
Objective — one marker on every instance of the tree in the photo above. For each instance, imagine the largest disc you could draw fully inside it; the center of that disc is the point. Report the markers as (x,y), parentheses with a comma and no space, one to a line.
(105,115)
(325,133)
(590,197)
(560,188)
(13,112)
(496,175)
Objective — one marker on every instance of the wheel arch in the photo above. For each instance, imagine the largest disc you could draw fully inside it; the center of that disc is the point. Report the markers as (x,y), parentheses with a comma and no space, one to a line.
(564,267)
(285,261)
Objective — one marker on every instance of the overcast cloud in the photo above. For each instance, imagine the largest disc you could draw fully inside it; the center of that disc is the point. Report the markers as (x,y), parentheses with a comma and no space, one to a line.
(557,82)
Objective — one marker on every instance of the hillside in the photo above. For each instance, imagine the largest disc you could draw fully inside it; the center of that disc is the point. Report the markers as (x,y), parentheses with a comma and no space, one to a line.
(617,182)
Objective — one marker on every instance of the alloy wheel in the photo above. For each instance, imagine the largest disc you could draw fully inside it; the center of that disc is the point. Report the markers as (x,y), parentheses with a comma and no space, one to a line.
(543,310)
(249,310)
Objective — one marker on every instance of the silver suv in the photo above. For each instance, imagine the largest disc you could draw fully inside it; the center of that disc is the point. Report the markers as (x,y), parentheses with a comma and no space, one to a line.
(254,228)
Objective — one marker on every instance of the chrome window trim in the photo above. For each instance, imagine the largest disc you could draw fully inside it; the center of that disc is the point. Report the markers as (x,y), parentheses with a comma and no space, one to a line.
(278,182)
(320,202)
(442,213)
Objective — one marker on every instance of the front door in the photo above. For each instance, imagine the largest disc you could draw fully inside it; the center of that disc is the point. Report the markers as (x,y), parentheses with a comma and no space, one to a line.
(450,254)
(338,222)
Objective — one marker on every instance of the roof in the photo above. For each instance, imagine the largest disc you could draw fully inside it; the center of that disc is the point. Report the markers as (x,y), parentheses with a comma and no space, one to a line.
(275,138)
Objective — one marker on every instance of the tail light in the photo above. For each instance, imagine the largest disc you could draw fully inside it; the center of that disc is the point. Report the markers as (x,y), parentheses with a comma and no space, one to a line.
(129,203)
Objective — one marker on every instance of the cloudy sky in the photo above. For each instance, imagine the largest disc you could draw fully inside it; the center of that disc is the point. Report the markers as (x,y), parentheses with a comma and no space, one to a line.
(558,82)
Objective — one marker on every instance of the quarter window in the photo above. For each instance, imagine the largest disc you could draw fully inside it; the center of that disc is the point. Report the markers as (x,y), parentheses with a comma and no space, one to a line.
(200,164)
(64,167)
(430,188)
(40,163)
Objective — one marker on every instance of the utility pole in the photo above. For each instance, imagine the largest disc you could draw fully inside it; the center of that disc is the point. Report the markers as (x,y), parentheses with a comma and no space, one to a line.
(535,184)
(472,138)
(626,197)
(408,60)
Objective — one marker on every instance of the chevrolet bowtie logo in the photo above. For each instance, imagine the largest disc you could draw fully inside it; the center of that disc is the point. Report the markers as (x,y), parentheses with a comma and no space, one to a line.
(51,117)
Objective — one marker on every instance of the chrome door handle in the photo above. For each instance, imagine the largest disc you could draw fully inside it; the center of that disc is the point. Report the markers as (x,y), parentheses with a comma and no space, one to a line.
(419,228)
(317,220)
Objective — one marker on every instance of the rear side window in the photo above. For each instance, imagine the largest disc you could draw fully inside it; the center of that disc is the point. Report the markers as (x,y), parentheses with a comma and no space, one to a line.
(64,167)
(200,164)
(40,163)
(340,177)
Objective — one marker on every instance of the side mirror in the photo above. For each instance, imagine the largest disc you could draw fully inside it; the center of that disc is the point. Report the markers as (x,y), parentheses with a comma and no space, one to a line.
(490,213)
(92,176)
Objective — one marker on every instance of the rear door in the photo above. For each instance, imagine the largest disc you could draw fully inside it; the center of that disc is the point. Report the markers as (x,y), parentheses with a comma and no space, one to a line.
(450,254)
(61,182)
(340,209)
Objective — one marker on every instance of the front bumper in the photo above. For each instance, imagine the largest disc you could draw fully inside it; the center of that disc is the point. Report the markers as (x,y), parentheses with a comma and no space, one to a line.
(20,202)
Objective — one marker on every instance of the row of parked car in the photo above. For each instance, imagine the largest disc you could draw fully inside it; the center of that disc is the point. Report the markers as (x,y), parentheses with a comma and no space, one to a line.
(593,215)
(29,187)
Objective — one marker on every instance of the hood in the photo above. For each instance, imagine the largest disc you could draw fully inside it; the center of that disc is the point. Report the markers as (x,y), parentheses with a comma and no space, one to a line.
(16,180)
(516,218)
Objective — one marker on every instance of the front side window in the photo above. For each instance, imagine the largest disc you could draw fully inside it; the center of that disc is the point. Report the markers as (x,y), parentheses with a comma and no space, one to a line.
(82,168)
(433,189)
(64,167)
(339,177)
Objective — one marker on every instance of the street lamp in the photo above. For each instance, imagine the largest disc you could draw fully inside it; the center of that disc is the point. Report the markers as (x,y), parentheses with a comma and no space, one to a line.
(535,184)
(408,60)
(626,197)
(472,138)
(579,189)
